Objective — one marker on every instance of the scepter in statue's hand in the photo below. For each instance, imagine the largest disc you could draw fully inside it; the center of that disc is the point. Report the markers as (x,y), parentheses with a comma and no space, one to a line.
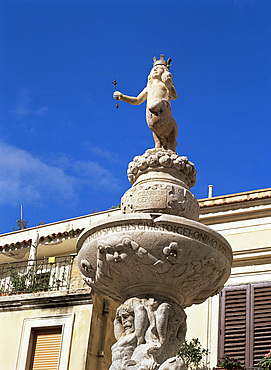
(115,84)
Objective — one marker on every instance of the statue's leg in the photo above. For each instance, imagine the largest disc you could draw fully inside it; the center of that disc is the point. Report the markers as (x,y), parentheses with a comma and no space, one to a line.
(157,141)
(172,142)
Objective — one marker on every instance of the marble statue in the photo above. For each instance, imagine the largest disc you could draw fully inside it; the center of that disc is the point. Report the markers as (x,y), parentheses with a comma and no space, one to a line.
(148,331)
(154,258)
(158,93)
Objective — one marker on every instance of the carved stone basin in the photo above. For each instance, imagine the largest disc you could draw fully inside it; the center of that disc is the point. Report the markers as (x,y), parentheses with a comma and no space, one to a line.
(140,255)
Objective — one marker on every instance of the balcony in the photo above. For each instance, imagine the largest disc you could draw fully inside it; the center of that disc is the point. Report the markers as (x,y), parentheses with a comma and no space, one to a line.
(47,274)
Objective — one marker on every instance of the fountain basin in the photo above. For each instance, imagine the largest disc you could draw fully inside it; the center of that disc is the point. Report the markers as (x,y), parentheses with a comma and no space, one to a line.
(143,254)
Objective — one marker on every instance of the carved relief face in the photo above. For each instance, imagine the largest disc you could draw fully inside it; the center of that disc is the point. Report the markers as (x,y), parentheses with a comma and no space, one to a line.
(141,163)
(87,268)
(117,253)
(157,71)
(152,160)
(127,321)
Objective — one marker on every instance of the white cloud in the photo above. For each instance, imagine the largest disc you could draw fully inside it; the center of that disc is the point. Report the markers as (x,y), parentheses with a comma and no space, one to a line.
(24,106)
(93,174)
(41,110)
(103,153)
(24,178)
(27,179)
(90,174)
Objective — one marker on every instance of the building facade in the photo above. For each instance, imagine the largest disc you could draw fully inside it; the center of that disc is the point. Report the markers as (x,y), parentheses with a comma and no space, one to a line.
(48,316)
(237,322)
(46,308)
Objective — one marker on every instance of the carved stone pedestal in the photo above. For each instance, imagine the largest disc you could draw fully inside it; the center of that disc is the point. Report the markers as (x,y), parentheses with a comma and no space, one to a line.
(155,259)
(161,181)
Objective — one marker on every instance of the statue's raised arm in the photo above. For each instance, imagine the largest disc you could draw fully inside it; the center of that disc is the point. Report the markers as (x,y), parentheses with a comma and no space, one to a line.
(159,91)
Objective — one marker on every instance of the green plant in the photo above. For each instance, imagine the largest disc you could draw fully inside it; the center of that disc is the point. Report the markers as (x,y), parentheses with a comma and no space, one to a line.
(22,224)
(72,233)
(192,353)
(40,283)
(29,282)
(116,207)
(227,362)
(18,282)
(265,362)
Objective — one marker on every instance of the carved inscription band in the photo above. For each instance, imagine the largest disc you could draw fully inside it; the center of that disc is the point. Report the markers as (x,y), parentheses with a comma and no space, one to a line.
(186,231)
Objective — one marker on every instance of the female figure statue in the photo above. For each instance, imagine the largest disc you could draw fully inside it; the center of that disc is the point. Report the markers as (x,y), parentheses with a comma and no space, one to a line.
(158,93)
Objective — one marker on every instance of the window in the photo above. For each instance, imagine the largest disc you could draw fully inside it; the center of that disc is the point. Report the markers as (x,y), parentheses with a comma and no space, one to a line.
(245,322)
(45,340)
(45,348)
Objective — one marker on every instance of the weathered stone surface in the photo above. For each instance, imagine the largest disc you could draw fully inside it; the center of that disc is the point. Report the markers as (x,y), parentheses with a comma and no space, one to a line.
(159,92)
(162,161)
(154,254)
(154,259)
(148,332)
(161,182)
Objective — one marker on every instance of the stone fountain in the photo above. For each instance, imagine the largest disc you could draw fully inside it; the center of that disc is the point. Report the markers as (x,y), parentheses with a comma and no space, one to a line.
(155,259)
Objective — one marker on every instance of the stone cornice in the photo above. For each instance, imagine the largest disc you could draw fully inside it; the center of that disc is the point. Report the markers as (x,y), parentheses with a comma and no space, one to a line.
(236,207)
(56,230)
(238,198)
(254,256)
(216,214)
(18,302)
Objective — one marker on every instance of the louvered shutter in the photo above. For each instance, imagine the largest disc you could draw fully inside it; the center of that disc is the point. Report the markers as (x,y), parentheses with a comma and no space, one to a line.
(245,322)
(233,326)
(261,321)
(46,349)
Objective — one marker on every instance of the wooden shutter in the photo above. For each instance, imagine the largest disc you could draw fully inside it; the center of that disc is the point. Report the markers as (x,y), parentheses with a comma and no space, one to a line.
(46,349)
(261,321)
(233,324)
(245,322)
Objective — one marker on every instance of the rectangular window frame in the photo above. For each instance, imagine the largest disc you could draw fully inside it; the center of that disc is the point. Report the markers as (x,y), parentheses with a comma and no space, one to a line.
(66,321)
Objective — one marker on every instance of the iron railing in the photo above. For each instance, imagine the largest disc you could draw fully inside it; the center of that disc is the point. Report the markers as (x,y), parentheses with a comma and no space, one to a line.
(39,275)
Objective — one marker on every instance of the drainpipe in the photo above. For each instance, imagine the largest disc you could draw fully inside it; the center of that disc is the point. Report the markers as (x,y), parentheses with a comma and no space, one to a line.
(106,306)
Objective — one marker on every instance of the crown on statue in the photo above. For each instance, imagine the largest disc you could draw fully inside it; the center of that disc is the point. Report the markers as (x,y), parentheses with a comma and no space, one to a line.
(162,61)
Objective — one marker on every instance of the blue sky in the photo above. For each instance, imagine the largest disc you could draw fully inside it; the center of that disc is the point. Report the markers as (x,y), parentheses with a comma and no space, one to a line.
(65,147)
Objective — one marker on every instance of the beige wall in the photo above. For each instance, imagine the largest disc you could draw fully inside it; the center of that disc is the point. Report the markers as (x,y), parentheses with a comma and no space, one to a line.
(251,244)
(11,326)
(101,335)
(202,323)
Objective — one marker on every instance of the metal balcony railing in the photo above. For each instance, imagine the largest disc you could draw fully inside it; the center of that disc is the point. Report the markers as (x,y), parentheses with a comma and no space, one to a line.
(39,275)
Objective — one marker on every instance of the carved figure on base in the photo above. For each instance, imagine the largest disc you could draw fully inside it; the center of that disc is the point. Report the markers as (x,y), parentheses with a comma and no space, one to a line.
(148,331)
(158,93)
